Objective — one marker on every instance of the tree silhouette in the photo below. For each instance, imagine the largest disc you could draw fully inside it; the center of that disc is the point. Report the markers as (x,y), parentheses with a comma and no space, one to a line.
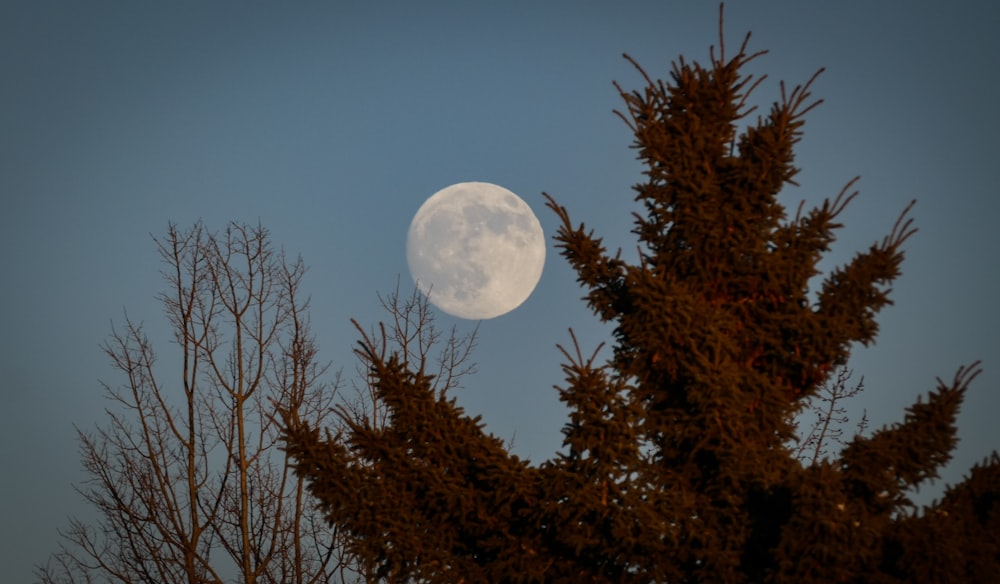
(679,462)
(186,478)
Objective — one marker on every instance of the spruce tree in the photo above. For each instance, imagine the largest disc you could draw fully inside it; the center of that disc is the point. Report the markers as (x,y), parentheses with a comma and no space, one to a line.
(678,462)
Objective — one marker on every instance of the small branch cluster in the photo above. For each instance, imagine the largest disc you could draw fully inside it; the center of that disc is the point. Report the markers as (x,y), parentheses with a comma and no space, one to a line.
(830,417)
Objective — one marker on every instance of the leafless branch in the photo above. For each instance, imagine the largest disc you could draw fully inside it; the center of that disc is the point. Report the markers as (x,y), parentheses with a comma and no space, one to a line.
(830,418)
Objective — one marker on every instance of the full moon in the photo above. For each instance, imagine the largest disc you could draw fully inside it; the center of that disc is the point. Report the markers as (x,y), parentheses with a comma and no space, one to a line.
(476,250)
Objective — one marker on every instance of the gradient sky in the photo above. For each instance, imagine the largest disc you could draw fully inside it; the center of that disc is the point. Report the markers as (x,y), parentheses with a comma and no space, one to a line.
(332,122)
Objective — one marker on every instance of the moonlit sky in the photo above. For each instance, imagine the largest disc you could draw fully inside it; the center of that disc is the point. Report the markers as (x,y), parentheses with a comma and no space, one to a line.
(331,123)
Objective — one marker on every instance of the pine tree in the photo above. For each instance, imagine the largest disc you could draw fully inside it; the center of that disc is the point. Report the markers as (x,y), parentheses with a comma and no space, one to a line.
(679,462)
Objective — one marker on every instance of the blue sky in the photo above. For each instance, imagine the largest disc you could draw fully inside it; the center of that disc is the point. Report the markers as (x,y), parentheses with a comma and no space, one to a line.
(331,122)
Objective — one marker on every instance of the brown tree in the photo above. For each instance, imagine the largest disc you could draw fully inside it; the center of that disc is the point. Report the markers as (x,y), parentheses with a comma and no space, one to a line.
(186,476)
(679,462)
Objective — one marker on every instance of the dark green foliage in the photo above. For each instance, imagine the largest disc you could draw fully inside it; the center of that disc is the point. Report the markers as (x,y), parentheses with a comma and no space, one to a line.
(677,465)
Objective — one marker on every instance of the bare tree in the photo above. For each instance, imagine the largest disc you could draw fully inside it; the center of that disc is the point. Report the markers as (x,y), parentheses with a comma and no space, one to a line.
(829,417)
(187,475)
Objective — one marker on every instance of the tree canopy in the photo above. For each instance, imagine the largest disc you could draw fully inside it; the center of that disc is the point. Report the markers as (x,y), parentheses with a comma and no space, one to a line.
(678,462)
